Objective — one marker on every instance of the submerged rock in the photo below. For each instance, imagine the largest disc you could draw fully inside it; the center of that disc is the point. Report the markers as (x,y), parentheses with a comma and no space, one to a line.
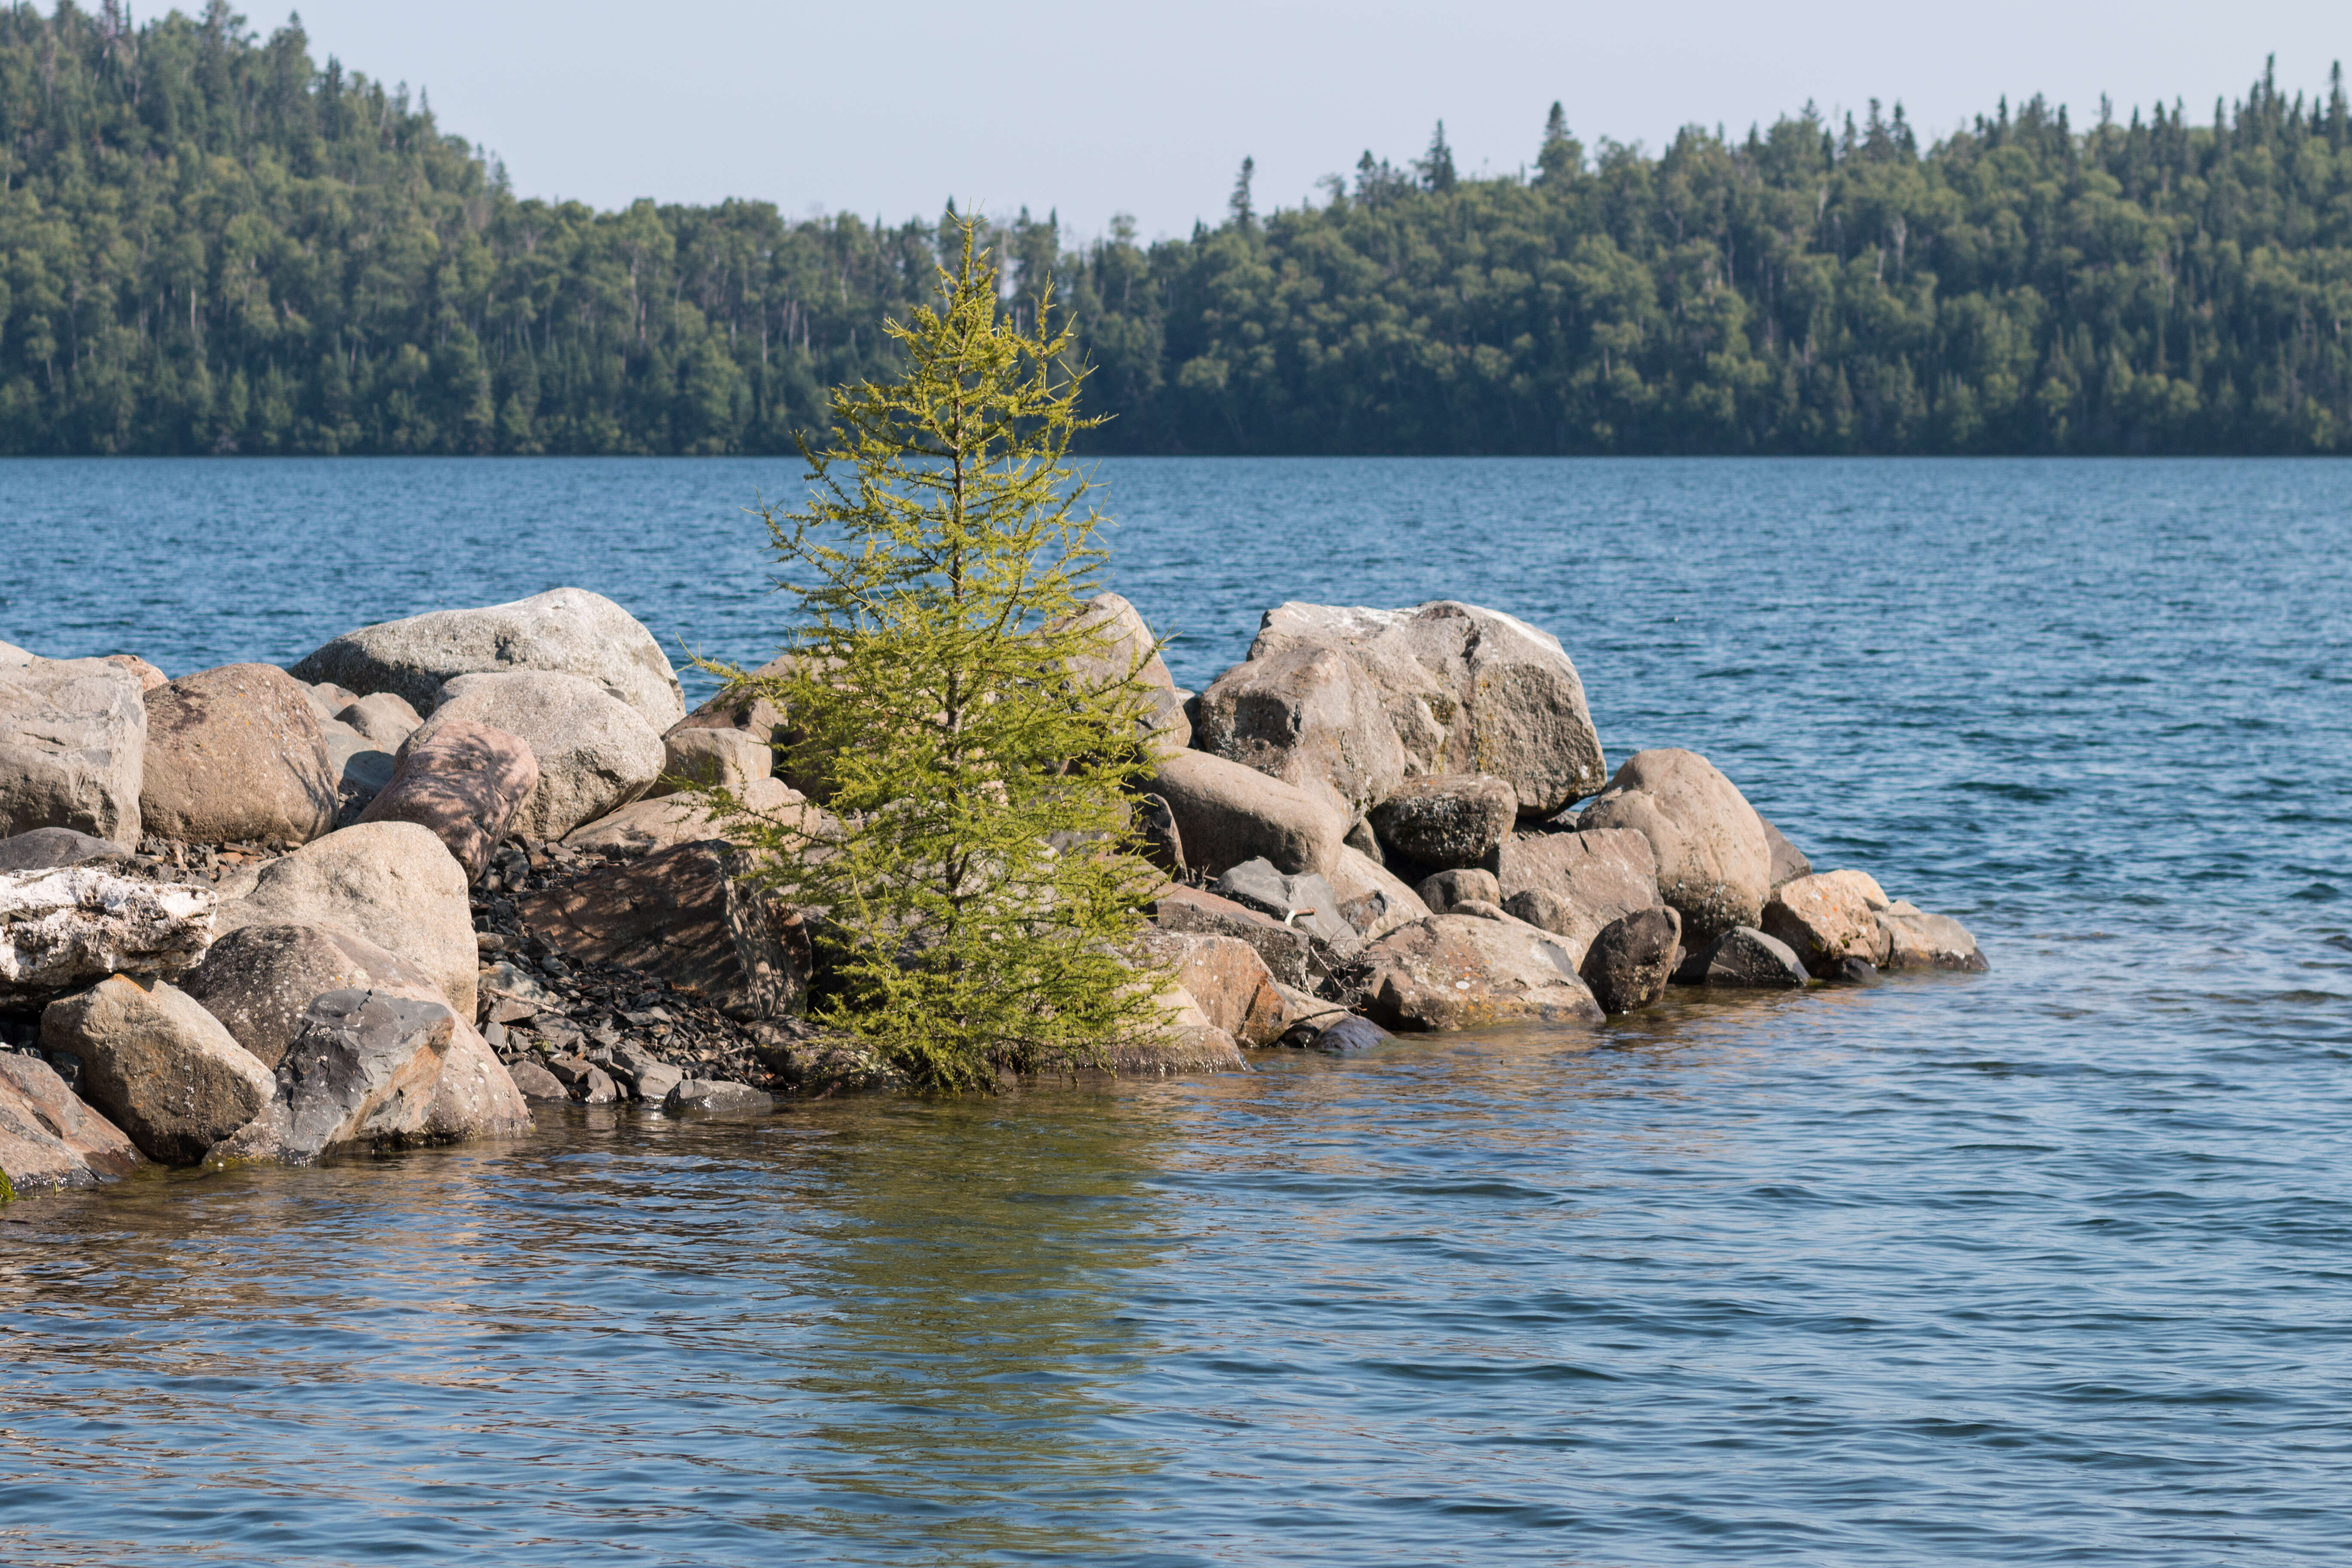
(1918,939)
(1631,959)
(1743,957)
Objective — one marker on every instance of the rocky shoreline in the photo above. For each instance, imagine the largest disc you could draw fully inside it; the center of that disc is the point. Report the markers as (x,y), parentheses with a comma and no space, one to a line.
(438,870)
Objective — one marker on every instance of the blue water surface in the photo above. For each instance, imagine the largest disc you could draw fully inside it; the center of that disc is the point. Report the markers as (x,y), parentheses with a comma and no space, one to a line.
(2051,1265)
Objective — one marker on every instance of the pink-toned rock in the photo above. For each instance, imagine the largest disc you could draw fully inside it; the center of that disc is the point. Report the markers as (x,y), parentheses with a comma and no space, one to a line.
(1572,884)
(465,781)
(1830,917)
(158,1066)
(1226,980)
(149,677)
(48,1138)
(1460,971)
(1714,862)
(237,753)
(1229,814)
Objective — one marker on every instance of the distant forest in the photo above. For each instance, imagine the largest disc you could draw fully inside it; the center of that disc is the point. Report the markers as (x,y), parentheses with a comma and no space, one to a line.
(209,243)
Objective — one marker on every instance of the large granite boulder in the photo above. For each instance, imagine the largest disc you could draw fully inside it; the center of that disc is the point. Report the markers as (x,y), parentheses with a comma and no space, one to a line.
(1631,959)
(365,1070)
(158,1066)
(1572,884)
(1743,958)
(1468,690)
(1124,647)
(566,631)
(49,1138)
(1226,980)
(1828,917)
(1918,939)
(1713,865)
(73,747)
(258,980)
(682,916)
(1284,950)
(1307,715)
(1372,899)
(64,927)
(594,754)
(649,826)
(237,753)
(390,883)
(466,782)
(53,849)
(1462,972)
(700,755)
(1228,814)
(1440,821)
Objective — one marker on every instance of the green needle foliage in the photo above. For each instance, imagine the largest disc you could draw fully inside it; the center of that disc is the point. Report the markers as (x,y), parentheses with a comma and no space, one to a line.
(981,896)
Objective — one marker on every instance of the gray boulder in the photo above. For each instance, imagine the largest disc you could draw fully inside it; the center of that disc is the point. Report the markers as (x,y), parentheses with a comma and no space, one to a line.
(566,631)
(1713,863)
(52,849)
(1373,900)
(392,883)
(1440,821)
(158,1066)
(715,1096)
(1744,958)
(1228,814)
(259,980)
(1304,901)
(1918,939)
(1457,972)
(1466,689)
(1631,959)
(73,747)
(467,782)
(594,754)
(384,718)
(363,1069)
(1789,862)
(1350,1036)
(237,753)
(533,1081)
(1309,716)
(70,927)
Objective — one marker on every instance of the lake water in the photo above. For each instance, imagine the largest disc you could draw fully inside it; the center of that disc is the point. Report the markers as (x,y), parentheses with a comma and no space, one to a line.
(2051,1265)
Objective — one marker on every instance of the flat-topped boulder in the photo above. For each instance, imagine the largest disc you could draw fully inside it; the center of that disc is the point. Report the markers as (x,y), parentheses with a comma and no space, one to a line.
(566,631)
(1918,939)
(1461,972)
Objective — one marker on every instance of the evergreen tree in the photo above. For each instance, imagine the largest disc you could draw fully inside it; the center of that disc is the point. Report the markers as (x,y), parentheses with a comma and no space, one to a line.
(1561,157)
(1238,205)
(1436,166)
(937,576)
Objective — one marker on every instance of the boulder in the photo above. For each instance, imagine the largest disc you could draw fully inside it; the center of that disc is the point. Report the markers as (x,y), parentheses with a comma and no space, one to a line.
(382,717)
(1453,972)
(1304,902)
(1572,884)
(1125,646)
(1350,1036)
(1309,716)
(363,1069)
(237,753)
(682,916)
(1743,957)
(475,1097)
(328,700)
(1285,948)
(1158,838)
(1372,899)
(390,883)
(1632,957)
(1828,917)
(1713,863)
(66,928)
(73,747)
(52,849)
(594,753)
(1918,939)
(1304,1015)
(533,1081)
(651,1080)
(513,995)
(648,826)
(48,1138)
(1443,820)
(361,771)
(564,631)
(464,781)
(693,755)
(1789,862)
(1441,893)
(1228,814)
(158,1066)
(1186,1043)
(715,1096)
(741,707)
(1468,690)
(146,674)
(1226,980)
(259,980)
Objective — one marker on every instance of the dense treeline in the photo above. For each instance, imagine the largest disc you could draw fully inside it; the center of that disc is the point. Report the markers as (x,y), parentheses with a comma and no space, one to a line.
(208,243)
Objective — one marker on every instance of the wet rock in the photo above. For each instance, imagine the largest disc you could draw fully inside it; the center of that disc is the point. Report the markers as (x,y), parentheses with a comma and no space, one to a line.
(62,929)
(464,781)
(1712,864)
(1572,884)
(1284,950)
(384,718)
(1304,1015)
(1789,862)
(1226,980)
(594,753)
(716,1096)
(1464,885)
(533,1081)
(1631,958)
(1743,958)
(390,883)
(1445,820)
(1852,970)
(649,826)
(1187,1043)
(1466,689)
(652,1080)
(1228,814)
(595,1088)
(567,631)
(695,754)
(52,849)
(681,917)
(363,1069)
(1350,1036)
(48,1138)
(158,1066)
(1918,939)
(1309,716)
(73,747)
(1450,971)
(1372,899)
(1828,917)
(237,753)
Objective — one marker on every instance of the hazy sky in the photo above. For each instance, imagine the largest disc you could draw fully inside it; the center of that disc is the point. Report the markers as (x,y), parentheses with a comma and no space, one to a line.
(1106,108)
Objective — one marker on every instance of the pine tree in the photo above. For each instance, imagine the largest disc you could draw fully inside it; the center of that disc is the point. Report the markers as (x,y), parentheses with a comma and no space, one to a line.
(1561,157)
(1238,205)
(940,565)
(1437,166)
